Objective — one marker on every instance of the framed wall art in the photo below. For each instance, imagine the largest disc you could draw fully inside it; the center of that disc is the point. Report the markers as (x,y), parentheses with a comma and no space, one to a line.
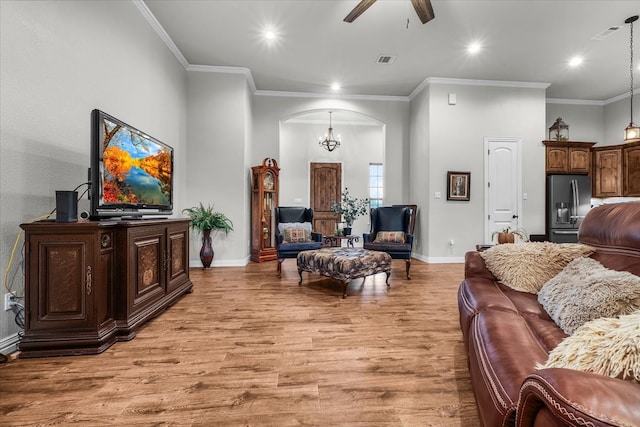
(458,185)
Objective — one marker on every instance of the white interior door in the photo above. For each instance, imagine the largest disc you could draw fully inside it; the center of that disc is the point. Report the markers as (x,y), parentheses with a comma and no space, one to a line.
(503,185)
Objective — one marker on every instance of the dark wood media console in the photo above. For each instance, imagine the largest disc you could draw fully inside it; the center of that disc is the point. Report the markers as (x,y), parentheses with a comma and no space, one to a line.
(89,284)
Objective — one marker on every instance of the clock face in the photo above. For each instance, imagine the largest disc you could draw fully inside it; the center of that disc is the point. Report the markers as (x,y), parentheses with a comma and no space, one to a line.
(268,181)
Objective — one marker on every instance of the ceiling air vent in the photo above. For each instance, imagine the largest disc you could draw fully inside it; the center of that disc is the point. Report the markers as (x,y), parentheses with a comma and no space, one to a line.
(606,33)
(386,59)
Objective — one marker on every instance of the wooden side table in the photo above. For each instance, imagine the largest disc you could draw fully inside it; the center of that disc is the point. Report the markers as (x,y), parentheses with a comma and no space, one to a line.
(337,240)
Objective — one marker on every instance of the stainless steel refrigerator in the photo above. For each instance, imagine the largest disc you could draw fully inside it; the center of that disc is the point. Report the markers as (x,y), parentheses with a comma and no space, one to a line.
(568,201)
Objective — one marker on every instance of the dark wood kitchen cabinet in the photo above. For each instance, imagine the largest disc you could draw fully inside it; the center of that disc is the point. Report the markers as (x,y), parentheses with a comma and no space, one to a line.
(89,284)
(631,166)
(616,170)
(568,157)
(607,171)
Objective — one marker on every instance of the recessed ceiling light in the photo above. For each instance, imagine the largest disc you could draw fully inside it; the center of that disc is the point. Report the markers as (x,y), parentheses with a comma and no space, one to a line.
(474,48)
(335,86)
(575,61)
(270,35)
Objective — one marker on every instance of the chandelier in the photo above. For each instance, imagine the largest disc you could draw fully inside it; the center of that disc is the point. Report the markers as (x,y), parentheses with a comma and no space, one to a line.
(329,143)
(631,132)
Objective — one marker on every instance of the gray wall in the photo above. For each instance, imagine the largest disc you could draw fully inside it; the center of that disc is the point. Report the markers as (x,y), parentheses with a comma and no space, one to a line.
(586,122)
(616,119)
(269,111)
(420,165)
(454,141)
(59,61)
(362,144)
(603,123)
(218,122)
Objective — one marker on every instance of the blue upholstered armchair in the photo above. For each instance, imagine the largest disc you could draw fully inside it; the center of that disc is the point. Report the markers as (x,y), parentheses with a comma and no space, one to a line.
(294,232)
(391,233)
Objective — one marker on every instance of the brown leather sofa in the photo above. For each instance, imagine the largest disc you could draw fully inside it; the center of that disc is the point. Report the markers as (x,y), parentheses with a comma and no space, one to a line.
(506,333)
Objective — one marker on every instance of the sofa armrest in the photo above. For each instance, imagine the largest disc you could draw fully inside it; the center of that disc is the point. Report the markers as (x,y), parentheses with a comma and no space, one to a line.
(316,237)
(368,237)
(572,397)
(474,266)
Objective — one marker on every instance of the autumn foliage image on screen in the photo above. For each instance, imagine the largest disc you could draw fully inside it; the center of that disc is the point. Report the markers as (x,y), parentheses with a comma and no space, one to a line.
(137,170)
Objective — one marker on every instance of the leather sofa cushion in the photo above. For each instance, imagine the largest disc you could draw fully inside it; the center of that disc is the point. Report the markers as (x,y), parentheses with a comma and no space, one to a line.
(477,294)
(503,354)
(616,243)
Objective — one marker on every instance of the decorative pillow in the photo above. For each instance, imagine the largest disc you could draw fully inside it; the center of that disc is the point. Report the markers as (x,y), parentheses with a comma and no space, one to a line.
(296,235)
(527,266)
(586,290)
(297,225)
(606,346)
(390,236)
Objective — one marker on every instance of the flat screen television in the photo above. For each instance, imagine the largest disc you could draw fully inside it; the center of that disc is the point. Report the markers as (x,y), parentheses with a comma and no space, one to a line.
(131,172)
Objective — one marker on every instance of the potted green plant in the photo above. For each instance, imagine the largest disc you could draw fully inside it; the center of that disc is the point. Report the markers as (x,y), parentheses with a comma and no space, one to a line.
(350,208)
(205,219)
(508,235)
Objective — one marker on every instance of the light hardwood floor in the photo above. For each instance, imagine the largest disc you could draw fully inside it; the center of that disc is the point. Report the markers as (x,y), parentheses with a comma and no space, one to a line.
(249,349)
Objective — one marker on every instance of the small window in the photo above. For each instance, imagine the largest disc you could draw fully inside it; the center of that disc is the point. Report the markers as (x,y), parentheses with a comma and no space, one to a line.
(376,184)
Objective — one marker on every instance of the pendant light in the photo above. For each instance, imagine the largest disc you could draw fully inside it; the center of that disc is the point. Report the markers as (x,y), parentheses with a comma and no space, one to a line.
(631,132)
(329,143)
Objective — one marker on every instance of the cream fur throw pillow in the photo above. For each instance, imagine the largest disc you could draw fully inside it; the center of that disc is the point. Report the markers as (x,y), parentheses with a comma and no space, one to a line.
(527,266)
(586,290)
(606,346)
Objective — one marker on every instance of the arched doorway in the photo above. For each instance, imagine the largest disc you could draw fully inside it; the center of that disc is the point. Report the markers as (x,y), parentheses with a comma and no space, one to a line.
(363,142)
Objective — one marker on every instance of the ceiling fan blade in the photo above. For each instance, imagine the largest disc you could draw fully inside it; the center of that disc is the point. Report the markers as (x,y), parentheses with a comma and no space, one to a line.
(358,10)
(424,10)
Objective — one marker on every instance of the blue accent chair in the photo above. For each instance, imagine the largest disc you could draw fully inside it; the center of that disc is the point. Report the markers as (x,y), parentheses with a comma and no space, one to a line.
(391,218)
(294,214)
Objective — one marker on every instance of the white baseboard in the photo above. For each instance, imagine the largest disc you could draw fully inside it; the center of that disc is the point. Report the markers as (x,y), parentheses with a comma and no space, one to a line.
(195,263)
(9,344)
(438,260)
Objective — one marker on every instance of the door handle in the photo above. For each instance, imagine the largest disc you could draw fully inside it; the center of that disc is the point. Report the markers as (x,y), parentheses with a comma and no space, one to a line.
(515,216)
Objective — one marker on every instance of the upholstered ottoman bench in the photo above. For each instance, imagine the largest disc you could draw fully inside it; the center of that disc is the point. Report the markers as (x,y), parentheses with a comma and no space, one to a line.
(344,264)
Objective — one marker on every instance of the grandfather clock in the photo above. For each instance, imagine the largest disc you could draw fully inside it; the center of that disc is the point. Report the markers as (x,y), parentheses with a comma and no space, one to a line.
(264,199)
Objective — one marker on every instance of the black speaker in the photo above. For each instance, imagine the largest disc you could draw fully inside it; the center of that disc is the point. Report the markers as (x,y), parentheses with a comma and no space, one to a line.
(66,206)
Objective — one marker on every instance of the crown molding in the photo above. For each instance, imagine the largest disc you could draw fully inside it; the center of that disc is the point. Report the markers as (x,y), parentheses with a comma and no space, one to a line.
(618,98)
(335,122)
(151,19)
(419,89)
(330,96)
(471,82)
(496,83)
(588,101)
(225,70)
(575,101)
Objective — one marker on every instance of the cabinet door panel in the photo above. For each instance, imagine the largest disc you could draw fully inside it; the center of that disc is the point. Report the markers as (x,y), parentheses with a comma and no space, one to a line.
(579,160)
(557,159)
(63,284)
(608,178)
(632,171)
(178,261)
(148,256)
